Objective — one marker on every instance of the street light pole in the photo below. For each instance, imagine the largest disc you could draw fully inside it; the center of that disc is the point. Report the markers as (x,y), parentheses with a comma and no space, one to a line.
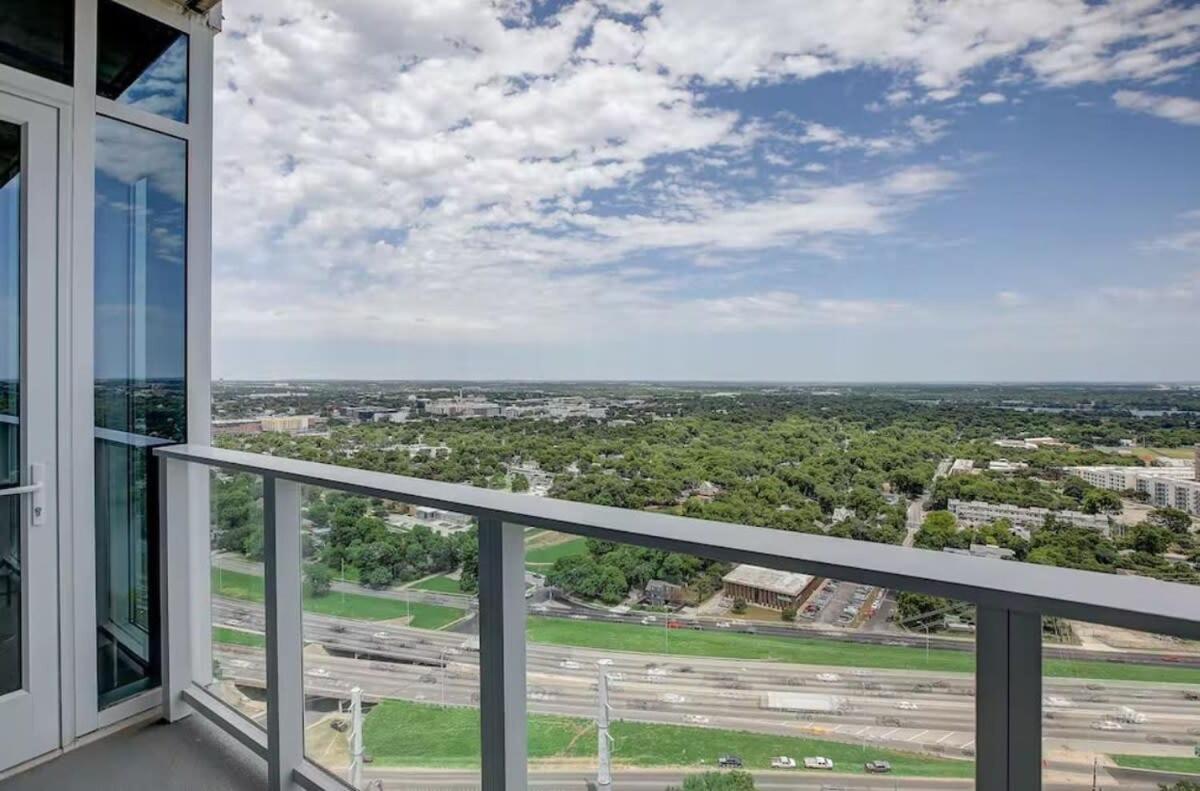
(356,741)
(604,769)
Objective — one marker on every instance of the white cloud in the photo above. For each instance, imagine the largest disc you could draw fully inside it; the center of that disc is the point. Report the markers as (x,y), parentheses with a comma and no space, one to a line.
(395,169)
(992,97)
(1173,108)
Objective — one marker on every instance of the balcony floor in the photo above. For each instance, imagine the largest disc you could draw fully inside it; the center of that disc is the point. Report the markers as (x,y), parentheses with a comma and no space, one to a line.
(192,754)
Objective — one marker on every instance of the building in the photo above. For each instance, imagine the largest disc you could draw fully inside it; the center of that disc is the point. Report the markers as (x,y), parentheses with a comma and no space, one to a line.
(962,467)
(1164,487)
(770,588)
(1006,466)
(977,512)
(462,408)
(427,514)
(222,428)
(288,424)
(660,593)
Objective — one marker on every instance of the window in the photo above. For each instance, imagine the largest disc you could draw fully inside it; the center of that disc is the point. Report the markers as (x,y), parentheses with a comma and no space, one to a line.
(141,62)
(141,198)
(10,406)
(37,36)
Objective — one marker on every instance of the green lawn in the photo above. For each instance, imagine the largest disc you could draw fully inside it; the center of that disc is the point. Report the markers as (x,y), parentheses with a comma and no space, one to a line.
(1159,763)
(814,651)
(221,634)
(442,584)
(1174,453)
(235,585)
(547,554)
(401,733)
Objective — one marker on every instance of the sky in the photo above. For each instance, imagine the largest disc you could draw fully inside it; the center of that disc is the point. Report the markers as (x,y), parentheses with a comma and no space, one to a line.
(832,190)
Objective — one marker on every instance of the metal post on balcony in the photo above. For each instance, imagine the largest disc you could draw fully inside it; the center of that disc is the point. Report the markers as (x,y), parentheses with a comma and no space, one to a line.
(502,654)
(175,598)
(285,681)
(1008,700)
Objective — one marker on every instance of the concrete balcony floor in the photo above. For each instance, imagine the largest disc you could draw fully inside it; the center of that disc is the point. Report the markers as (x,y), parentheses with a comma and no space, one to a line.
(192,754)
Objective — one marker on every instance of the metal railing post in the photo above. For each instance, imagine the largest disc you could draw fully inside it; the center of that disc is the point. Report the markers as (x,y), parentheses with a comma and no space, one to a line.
(285,667)
(175,598)
(502,655)
(1008,700)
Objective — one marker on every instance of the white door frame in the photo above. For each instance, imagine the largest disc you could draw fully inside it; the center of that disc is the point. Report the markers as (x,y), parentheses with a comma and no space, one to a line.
(29,717)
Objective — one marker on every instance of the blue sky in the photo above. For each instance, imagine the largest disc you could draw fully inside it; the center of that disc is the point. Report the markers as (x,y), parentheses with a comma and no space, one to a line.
(878,190)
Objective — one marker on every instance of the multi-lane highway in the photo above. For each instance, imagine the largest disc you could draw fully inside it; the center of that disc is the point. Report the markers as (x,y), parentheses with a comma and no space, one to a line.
(931,712)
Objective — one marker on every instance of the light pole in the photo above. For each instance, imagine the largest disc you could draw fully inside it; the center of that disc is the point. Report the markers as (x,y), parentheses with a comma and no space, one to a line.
(356,742)
(604,745)
(443,660)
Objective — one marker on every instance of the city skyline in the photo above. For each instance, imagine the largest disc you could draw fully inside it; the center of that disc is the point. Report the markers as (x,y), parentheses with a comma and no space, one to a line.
(625,190)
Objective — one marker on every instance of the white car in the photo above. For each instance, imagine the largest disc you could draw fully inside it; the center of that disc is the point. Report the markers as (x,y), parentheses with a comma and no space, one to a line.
(698,719)
(829,678)
(783,762)
(1107,725)
(656,671)
(817,762)
(382,636)
(723,624)
(604,661)
(568,664)
(319,672)
(671,697)
(649,619)
(1056,701)
(616,676)
(907,705)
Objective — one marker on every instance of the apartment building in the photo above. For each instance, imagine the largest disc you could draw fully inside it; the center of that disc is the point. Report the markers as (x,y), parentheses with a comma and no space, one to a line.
(1025,519)
(1165,487)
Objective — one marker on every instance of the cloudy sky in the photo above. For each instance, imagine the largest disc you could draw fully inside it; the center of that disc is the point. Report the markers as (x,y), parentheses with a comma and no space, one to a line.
(701,189)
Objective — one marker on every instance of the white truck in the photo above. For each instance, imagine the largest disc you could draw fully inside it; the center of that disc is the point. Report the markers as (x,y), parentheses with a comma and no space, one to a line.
(819,762)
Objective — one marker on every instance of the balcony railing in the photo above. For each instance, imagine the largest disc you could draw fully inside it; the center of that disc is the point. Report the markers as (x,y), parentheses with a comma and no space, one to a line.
(1011,601)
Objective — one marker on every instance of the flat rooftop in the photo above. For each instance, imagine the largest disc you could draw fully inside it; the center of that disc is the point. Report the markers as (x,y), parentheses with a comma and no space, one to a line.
(787,583)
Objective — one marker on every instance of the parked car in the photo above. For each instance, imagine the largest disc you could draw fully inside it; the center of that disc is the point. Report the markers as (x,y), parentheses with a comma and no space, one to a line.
(818,762)
(783,762)
(877,767)
(729,762)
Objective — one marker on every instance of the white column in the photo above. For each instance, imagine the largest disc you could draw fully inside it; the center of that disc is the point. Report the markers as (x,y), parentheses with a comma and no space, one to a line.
(1008,701)
(285,666)
(502,654)
(175,597)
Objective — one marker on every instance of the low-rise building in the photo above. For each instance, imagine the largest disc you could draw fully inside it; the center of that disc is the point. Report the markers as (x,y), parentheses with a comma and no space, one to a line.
(770,588)
(236,426)
(983,551)
(962,467)
(1023,519)
(1164,487)
(1006,466)
(660,593)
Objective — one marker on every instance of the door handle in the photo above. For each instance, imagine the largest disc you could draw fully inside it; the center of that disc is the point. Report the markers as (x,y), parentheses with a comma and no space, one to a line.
(36,487)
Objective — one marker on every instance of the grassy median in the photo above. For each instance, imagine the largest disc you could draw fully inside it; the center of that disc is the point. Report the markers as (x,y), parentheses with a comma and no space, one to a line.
(402,733)
(817,651)
(249,587)
(222,634)
(1160,763)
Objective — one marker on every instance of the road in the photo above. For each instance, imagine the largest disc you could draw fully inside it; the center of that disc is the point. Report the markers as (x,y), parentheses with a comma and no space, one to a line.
(909,710)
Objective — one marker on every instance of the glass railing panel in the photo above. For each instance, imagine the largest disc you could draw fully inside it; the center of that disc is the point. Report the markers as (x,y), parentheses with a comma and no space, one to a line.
(719,667)
(391,663)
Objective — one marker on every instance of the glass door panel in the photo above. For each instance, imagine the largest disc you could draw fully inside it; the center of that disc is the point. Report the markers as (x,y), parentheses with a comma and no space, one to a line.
(29,657)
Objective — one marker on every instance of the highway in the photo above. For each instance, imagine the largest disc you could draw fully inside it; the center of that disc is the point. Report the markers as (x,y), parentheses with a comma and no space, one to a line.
(930,712)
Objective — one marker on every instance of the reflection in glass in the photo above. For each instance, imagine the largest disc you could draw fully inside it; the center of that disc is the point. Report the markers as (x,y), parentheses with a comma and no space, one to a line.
(37,36)
(10,422)
(141,62)
(140,389)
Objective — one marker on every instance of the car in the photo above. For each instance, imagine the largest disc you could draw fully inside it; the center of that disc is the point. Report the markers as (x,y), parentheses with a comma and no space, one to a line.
(698,719)
(783,762)
(674,624)
(604,661)
(729,762)
(649,619)
(829,678)
(1107,725)
(723,624)
(818,762)
(907,705)
(569,664)
(671,697)
(877,767)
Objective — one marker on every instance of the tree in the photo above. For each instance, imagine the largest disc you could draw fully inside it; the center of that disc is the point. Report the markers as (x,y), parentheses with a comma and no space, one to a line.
(1182,785)
(739,605)
(318,579)
(722,781)
(520,483)
(1102,501)
(789,613)
(1148,538)
(1172,519)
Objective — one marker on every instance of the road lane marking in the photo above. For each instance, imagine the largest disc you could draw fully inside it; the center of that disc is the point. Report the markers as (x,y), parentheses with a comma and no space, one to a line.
(944,738)
(916,736)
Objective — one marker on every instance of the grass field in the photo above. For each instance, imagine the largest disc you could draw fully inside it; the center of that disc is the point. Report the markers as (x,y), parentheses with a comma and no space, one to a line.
(235,585)
(547,554)
(1174,453)
(811,651)
(1160,763)
(221,634)
(400,733)
(441,584)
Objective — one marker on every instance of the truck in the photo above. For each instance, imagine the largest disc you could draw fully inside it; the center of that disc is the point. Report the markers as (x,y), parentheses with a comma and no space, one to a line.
(818,762)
